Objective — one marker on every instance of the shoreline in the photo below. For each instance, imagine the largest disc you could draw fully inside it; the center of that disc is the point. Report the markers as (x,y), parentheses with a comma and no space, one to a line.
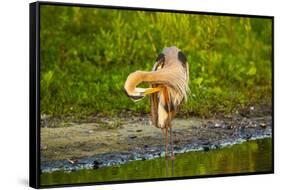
(116,159)
(91,146)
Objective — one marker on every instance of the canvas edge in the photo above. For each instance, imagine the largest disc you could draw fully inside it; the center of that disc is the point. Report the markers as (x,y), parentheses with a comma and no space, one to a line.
(34,145)
(34,98)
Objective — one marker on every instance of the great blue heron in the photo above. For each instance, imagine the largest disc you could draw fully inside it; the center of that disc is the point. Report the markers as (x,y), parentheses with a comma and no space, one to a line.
(168,88)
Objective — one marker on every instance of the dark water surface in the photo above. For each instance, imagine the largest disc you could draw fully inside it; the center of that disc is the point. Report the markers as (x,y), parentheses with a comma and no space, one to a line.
(251,156)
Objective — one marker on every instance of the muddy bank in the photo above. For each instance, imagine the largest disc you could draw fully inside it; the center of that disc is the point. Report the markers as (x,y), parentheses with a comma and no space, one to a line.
(114,141)
(248,157)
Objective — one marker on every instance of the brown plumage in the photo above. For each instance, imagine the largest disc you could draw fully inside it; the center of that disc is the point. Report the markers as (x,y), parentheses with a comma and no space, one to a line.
(168,88)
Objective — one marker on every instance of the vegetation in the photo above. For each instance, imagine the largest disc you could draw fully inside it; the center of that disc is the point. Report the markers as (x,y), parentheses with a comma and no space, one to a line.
(86,55)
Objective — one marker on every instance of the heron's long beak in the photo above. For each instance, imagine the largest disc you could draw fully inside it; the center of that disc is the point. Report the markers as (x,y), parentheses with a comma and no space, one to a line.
(152,90)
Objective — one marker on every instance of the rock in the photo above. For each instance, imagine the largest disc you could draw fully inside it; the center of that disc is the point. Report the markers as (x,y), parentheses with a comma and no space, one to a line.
(241,129)
(43,147)
(206,143)
(96,164)
(132,136)
(72,161)
(263,125)
(206,148)
(193,127)
(226,126)
(215,146)
(217,125)
(247,136)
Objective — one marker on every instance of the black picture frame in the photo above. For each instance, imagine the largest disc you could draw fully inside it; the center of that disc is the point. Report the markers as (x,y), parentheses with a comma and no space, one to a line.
(34,90)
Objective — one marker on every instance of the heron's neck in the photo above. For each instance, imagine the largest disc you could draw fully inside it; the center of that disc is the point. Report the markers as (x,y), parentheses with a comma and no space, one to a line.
(134,79)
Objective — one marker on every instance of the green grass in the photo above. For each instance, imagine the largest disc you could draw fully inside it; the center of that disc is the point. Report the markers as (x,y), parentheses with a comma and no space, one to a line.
(87,54)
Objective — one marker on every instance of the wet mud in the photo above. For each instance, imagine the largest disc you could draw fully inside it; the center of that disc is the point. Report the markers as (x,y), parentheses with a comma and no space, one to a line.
(115,141)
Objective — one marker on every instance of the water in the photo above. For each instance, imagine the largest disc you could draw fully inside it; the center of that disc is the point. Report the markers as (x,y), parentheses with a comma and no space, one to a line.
(251,156)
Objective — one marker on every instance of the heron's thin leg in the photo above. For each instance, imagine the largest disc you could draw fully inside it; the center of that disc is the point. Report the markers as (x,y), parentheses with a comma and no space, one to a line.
(163,137)
(167,168)
(170,126)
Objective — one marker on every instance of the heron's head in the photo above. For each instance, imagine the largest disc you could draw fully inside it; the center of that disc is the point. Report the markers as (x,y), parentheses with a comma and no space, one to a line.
(133,80)
(136,94)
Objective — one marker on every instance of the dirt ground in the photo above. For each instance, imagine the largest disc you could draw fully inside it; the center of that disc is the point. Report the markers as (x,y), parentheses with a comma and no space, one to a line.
(73,140)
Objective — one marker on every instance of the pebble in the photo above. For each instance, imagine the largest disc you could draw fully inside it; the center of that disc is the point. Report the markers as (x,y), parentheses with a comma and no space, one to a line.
(206,148)
(206,143)
(215,146)
(247,136)
(132,136)
(263,125)
(217,125)
(96,164)
(226,126)
(43,147)
(72,161)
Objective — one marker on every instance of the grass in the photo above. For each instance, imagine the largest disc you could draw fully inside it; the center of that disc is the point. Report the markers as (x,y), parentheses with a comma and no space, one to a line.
(86,55)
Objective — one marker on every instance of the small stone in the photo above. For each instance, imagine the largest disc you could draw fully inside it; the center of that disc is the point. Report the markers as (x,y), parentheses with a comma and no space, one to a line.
(242,128)
(193,127)
(96,164)
(252,108)
(226,126)
(215,146)
(132,136)
(206,148)
(206,143)
(90,132)
(247,136)
(72,161)
(263,125)
(43,147)
(217,125)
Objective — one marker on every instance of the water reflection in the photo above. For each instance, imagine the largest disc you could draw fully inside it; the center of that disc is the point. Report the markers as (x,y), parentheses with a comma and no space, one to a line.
(170,167)
(252,156)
